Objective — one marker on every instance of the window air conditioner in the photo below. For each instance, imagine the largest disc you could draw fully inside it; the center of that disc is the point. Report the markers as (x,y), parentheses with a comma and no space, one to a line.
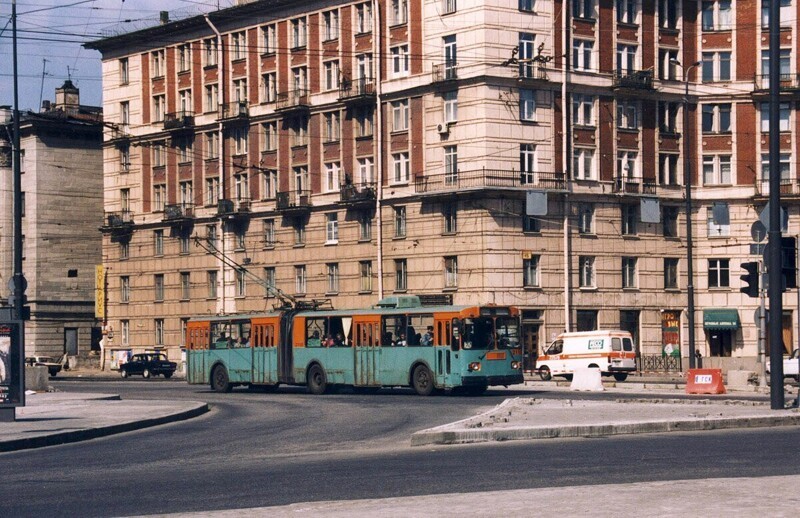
(443,128)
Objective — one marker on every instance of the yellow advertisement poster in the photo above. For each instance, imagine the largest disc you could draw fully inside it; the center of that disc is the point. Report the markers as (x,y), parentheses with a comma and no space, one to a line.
(99,292)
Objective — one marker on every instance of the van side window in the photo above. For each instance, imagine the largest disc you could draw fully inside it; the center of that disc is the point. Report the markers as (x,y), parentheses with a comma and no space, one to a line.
(616,344)
(556,347)
(627,344)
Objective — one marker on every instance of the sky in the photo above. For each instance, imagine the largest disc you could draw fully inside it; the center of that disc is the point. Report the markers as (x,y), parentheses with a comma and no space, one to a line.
(54,30)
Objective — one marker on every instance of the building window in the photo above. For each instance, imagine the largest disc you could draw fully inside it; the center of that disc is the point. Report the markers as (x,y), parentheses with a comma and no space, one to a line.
(400,168)
(527,105)
(210,51)
(333,278)
(268,39)
(670,273)
(298,32)
(717,15)
(585,218)
(125,115)
(530,272)
(212,98)
(527,163)
(717,228)
(299,228)
(627,115)
(330,25)
(668,168)
(269,232)
(183,241)
(212,191)
(269,85)
(784,117)
(184,147)
(629,276)
(583,9)
(400,275)
(157,59)
(667,69)
(399,11)
(716,66)
(365,276)
(211,281)
(583,164)
(241,185)
(240,90)
(450,100)
(125,331)
(299,129)
(124,71)
(300,80)
(450,57)
(785,167)
(331,71)
(363,18)
(331,228)
(332,132)
(582,110)
(586,269)
(159,107)
(626,11)
(158,286)
(719,273)
(627,59)
(669,221)
(125,289)
(184,57)
(366,171)
(364,121)
(451,165)
(300,279)
(185,286)
(531,224)
(124,250)
(450,218)
(269,280)
(158,242)
(400,115)
(527,5)
(716,169)
(629,215)
(668,14)
(451,272)
(400,222)
(399,60)
(159,331)
(270,131)
(627,165)
(301,182)
(786,15)
(717,118)
(211,237)
(586,319)
(239,244)
(241,282)
(159,197)
(212,145)
(668,117)
(582,51)
(365,227)
(270,184)
(331,178)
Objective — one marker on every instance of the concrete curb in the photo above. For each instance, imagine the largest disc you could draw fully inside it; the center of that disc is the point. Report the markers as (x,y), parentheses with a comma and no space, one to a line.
(92,433)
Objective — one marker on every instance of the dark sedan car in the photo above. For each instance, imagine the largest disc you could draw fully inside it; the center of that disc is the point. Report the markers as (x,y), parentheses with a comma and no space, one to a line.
(148,364)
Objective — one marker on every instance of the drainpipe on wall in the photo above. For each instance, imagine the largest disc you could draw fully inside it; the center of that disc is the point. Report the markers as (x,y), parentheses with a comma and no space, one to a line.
(221,299)
(377,63)
(565,157)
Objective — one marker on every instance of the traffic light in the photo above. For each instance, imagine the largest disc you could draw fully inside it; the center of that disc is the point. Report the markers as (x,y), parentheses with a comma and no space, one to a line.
(750,279)
(789,262)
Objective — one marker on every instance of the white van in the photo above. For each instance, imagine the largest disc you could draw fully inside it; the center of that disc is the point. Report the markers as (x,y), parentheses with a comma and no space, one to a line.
(610,351)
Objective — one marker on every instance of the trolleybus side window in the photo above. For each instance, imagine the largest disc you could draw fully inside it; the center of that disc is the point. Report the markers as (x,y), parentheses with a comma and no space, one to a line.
(395,330)
(315,331)
(417,327)
(241,332)
(220,335)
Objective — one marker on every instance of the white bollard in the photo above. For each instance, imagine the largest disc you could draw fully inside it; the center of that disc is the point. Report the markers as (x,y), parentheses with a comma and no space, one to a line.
(587,379)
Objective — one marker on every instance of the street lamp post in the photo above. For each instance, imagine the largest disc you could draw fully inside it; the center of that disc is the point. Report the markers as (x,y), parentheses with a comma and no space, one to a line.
(687,179)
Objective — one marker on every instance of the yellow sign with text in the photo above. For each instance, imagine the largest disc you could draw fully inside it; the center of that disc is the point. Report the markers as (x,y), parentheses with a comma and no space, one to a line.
(99,292)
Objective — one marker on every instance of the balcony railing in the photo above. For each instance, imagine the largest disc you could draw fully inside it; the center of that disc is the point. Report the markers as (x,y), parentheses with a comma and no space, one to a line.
(787,82)
(789,186)
(361,87)
(121,219)
(293,200)
(634,185)
(238,206)
(179,120)
(633,79)
(532,71)
(357,193)
(489,178)
(234,110)
(178,211)
(292,100)
(447,71)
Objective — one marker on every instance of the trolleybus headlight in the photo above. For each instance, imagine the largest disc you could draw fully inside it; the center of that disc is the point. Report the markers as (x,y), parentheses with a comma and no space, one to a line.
(515,365)
(475,366)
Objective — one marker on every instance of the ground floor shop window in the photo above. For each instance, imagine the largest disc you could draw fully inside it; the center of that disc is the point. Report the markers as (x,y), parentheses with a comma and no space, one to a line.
(586,319)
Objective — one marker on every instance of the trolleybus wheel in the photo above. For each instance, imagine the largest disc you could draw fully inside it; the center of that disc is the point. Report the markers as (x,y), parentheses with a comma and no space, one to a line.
(475,390)
(422,379)
(219,379)
(317,383)
(620,376)
(544,373)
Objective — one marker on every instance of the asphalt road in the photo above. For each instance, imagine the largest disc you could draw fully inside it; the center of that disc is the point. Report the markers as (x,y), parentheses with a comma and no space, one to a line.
(257,450)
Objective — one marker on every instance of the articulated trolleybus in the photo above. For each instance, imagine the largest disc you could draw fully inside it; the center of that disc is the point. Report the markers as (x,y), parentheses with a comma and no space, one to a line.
(397,343)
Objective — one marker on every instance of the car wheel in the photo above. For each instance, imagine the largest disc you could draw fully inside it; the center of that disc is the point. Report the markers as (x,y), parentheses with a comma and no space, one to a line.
(168,375)
(422,380)
(317,383)
(620,376)
(146,373)
(544,373)
(123,373)
(219,379)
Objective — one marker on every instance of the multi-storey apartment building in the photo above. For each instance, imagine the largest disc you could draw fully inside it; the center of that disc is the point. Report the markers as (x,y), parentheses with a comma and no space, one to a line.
(526,153)
(61,182)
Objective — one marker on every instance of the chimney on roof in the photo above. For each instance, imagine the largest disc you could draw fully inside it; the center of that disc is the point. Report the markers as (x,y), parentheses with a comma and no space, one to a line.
(45,106)
(164,15)
(68,98)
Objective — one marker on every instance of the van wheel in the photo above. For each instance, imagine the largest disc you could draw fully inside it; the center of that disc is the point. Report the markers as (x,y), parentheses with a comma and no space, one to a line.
(568,377)
(544,373)
(317,383)
(593,366)
(620,376)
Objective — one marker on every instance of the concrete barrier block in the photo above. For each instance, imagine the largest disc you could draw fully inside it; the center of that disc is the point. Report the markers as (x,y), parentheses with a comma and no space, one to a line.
(36,378)
(739,379)
(587,380)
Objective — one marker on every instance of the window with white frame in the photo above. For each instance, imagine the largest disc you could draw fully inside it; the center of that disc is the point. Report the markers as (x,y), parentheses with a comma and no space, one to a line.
(399,222)
(330,25)
(364,18)
(586,218)
(450,56)
(527,105)
(450,218)
(300,279)
(717,15)
(630,278)
(527,5)
(299,131)
(331,71)
(212,98)
(400,275)
(158,154)
(401,173)
(241,186)
(158,287)
(785,167)
(240,90)
(668,116)
(627,114)
(667,68)
(626,58)
(211,237)
(400,115)
(333,278)
(125,115)
(366,170)
(184,57)
(582,110)
(364,120)
(300,79)
(668,14)
(583,164)
(269,280)
(399,12)
(527,51)
(365,227)
(530,272)
(787,16)
(717,118)
(331,228)
(716,66)
(124,149)
(241,282)
(332,127)
(785,111)
(299,228)
(211,283)
(668,168)
(159,331)
(451,165)
(269,87)
(586,271)
(527,163)
(451,272)
(185,286)
(629,216)
(158,242)
(298,26)
(186,188)
(627,165)
(365,276)
(717,169)
(301,183)
(670,273)
(210,49)
(184,148)
(238,45)
(159,107)
(125,199)
(212,145)
(269,131)
(669,221)
(124,71)
(157,62)
(717,228)
(212,190)
(719,273)
(125,331)
(399,56)
(185,101)
(332,172)
(583,9)
(626,11)
(269,232)
(363,71)
(450,100)
(270,183)
(582,51)
(125,288)
(268,39)
(240,137)
(449,6)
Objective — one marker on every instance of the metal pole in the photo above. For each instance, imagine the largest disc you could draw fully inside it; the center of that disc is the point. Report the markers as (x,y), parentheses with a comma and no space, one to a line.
(762,328)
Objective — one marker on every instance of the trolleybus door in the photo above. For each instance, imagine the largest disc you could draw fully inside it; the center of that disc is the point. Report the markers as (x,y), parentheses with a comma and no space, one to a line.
(367,353)
(444,356)
(265,354)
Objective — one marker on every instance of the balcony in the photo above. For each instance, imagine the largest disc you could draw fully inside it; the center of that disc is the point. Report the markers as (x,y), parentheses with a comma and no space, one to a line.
(444,72)
(634,185)
(293,201)
(636,80)
(790,187)
(236,210)
(490,179)
(361,194)
(119,225)
(532,71)
(789,84)
(293,100)
(233,111)
(178,212)
(361,89)
(183,120)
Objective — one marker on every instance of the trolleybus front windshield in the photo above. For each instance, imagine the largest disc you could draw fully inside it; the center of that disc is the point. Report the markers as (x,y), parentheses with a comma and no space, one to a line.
(488,333)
